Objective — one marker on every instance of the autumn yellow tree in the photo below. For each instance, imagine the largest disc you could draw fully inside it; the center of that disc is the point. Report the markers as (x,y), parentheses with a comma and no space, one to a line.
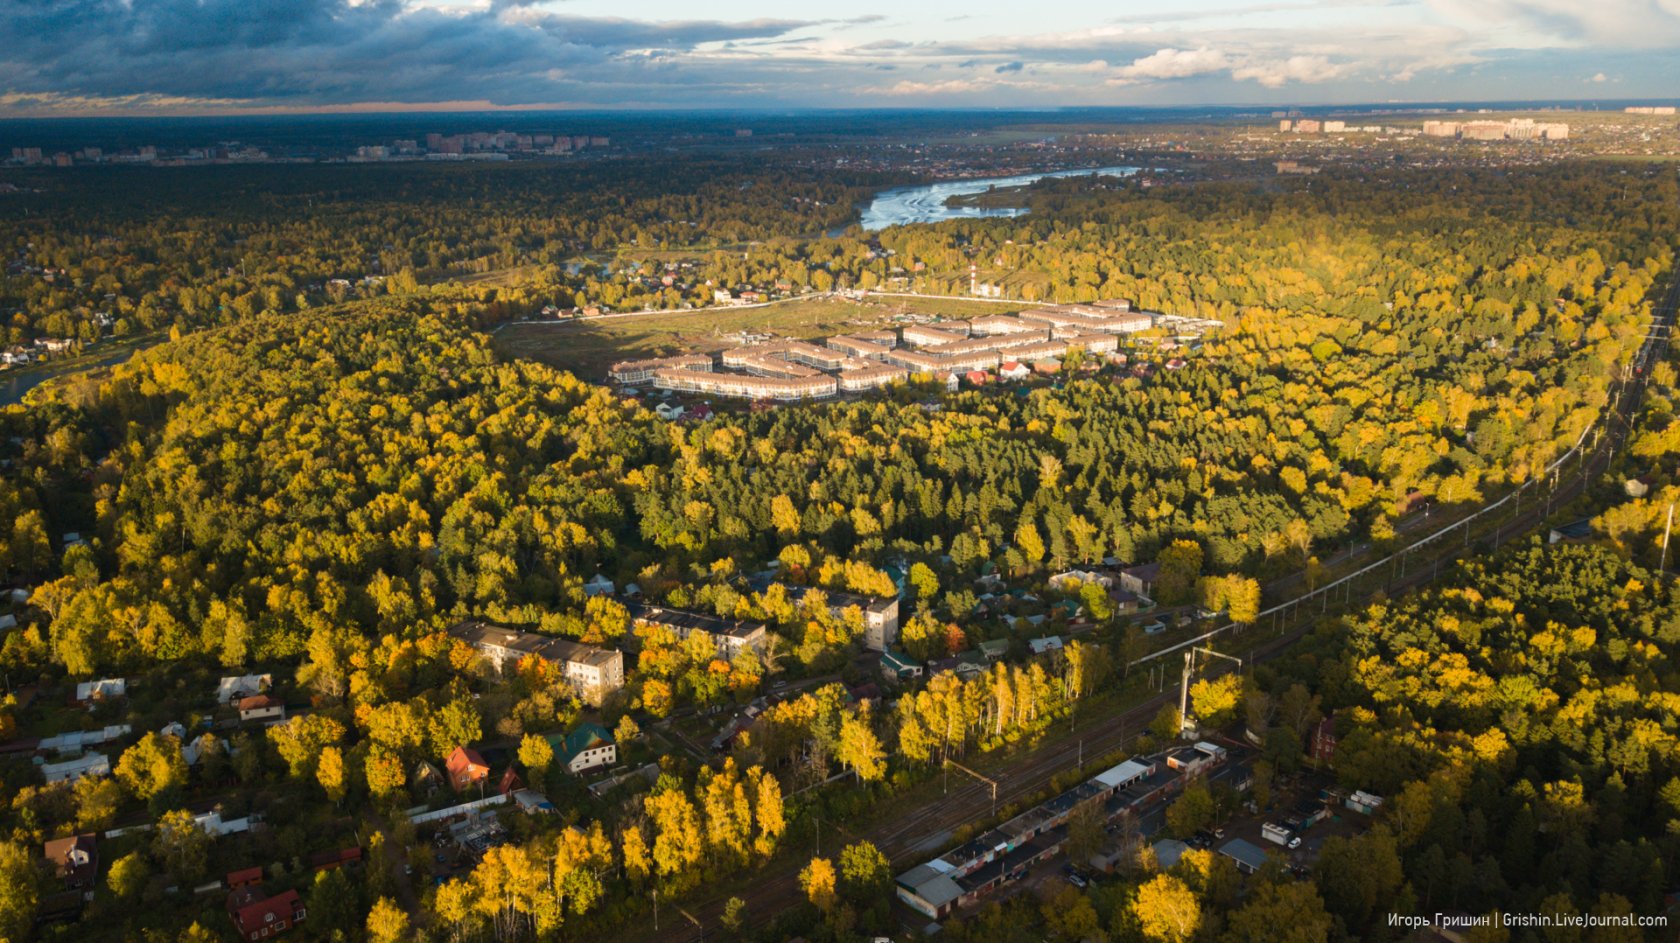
(154,763)
(817,880)
(386,922)
(329,772)
(1214,701)
(1166,910)
(860,750)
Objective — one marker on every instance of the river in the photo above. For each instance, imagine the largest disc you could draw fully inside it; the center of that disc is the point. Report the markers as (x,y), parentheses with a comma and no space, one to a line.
(15,383)
(926,203)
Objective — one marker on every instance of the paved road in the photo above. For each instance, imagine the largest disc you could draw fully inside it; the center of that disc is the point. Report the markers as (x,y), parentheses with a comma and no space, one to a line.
(906,834)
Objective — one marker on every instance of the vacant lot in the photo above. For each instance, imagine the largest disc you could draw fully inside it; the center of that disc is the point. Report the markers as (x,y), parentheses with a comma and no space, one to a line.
(589,347)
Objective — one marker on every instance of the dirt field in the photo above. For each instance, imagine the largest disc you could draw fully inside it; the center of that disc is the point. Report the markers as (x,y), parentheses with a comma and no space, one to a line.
(588,348)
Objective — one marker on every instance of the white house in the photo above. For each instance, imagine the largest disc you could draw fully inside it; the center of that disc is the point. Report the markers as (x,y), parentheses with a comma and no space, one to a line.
(89,691)
(88,764)
(261,708)
(586,747)
(232,689)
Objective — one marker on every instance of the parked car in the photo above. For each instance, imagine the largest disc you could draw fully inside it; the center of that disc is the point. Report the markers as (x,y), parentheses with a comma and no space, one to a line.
(1295,842)
(1155,628)
(1077,881)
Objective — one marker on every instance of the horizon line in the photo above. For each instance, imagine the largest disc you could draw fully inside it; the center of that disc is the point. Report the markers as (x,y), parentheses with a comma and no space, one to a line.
(394,109)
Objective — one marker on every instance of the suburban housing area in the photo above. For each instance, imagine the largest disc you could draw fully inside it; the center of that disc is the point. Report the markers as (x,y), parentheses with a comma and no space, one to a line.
(797,370)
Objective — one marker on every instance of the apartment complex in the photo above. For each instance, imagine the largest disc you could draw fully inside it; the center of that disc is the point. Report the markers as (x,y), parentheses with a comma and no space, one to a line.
(640,371)
(793,370)
(880,614)
(729,635)
(593,672)
(1516,129)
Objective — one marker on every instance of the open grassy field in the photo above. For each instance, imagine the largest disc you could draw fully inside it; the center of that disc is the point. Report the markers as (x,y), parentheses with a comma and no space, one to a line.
(589,347)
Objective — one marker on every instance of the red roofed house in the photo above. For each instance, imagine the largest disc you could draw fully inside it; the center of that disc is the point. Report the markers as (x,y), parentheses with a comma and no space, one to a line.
(466,768)
(261,707)
(249,877)
(330,860)
(259,917)
(977,377)
(509,783)
(75,859)
(1014,370)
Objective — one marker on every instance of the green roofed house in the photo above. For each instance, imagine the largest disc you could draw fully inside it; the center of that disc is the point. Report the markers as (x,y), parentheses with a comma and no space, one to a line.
(994,649)
(897,666)
(586,747)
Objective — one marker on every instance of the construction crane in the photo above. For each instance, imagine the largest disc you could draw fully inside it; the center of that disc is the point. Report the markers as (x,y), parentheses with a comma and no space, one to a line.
(1184,726)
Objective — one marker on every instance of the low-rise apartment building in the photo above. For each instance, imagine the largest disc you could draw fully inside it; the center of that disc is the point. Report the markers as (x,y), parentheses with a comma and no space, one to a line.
(592,671)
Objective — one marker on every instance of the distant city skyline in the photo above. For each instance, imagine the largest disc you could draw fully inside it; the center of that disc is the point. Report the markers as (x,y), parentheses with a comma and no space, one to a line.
(137,57)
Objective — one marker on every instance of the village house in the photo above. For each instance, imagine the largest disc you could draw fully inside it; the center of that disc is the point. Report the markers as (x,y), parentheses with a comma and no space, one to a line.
(1013,370)
(69,771)
(75,860)
(466,768)
(232,689)
(258,917)
(897,666)
(261,709)
(1141,579)
(92,692)
(587,747)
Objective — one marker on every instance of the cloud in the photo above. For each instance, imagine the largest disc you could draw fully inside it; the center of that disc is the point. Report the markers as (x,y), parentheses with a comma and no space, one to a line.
(1630,24)
(1304,69)
(1268,71)
(80,56)
(1599,77)
(335,51)
(1173,64)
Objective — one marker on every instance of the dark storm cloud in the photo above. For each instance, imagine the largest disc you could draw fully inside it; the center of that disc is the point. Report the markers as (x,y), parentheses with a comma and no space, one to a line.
(330,51)
(1015,66)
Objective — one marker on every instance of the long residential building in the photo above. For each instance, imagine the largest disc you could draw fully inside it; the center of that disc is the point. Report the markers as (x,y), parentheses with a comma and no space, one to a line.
(746,387)
(729,635)
(928,336)
(792,351)
(992,325)
(871,377)
(592,671)
(1092,319)
(997,342)
(858,347)
(1043,350)
(763,364)
(1063,316)
(1095,343)
(880,614)
(924,362)
(640,371)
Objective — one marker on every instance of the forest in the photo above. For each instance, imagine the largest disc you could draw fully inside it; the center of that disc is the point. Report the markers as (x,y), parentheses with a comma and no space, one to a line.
(322,485)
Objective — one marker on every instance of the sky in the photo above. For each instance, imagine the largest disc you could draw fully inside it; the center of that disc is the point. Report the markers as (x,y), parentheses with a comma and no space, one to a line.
(85,57)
